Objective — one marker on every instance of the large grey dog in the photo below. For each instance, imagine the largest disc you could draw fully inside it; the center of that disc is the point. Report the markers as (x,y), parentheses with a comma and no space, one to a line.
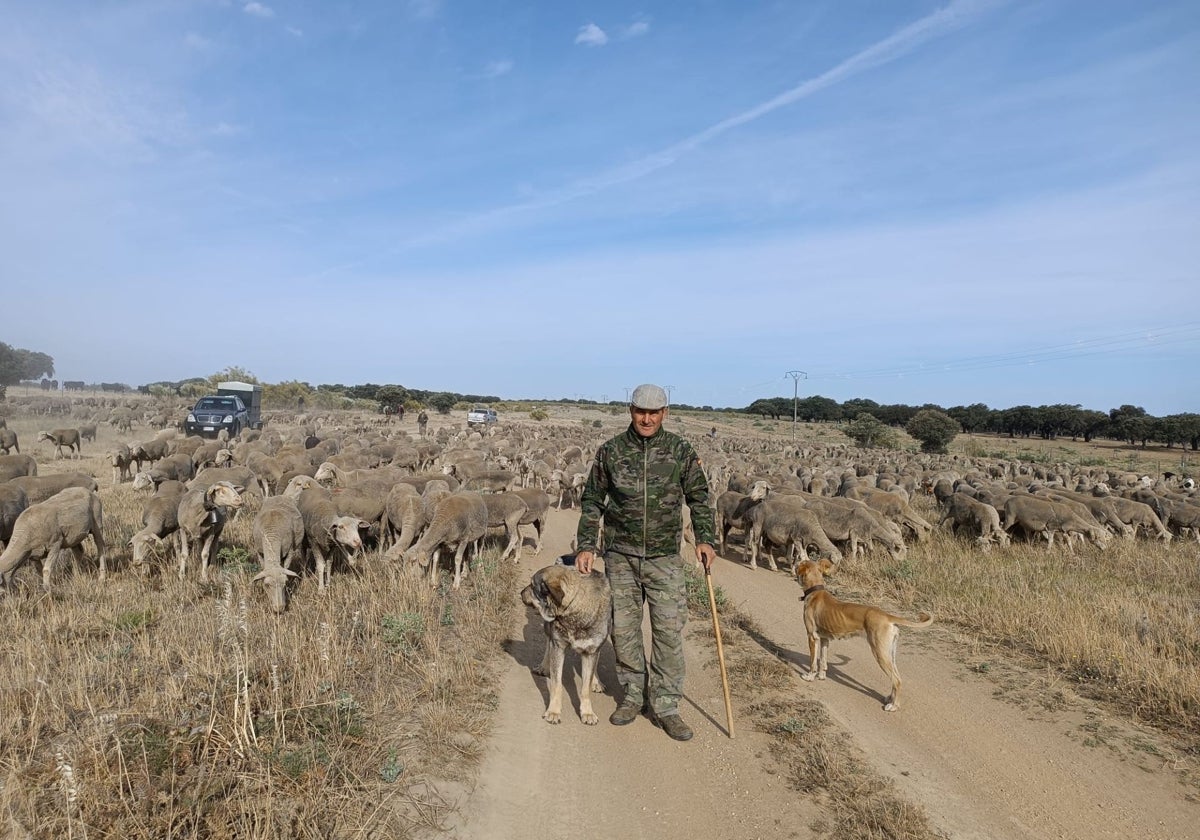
(577,611)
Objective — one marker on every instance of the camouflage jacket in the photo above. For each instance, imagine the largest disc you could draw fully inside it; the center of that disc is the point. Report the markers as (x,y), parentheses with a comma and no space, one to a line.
(638,486)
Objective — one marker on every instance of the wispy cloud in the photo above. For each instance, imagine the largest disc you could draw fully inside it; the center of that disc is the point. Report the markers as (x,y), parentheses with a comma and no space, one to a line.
(591,35)
(636,29)
(258,10)
(294,31)
(196,41)
(495,69)
(424,9)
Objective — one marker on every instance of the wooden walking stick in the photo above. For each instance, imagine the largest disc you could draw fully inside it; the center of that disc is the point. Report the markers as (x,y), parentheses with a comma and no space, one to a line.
(712,605)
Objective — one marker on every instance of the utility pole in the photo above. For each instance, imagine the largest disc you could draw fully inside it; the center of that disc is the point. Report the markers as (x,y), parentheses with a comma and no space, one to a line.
(668,389)
(796,375)
(627,395)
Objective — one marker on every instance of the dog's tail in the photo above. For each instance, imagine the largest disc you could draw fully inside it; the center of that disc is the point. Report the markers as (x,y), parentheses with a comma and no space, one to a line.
(924,621)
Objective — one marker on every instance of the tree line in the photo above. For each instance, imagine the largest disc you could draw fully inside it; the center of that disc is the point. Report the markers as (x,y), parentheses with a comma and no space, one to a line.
(1128,423)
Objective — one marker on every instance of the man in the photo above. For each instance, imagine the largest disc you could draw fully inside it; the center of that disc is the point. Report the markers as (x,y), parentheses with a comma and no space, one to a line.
(637,485)
(422,420)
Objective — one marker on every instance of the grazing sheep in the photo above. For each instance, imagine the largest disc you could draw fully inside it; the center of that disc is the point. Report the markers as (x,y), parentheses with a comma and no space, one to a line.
(1138,515)
(980,519)
(895,507)
(119,459)
(506,510)
(1036,515)
(160,519)
(784,521)
(176,467)
(8,440)
(150,451)
(12,501)
(461,519)
(279,535)
(731,508)
(60,438)
(14,466)
(46,529)
(850,521)
(1183,517)
(39,488)
(202,516)
(88,432)
(538,503)
(267,469)
(403,519)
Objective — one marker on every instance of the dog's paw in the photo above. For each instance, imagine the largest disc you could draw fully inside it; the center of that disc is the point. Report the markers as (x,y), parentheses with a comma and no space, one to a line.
(808,676)
(589,718)
(552,717)
(541,672)
(890,707)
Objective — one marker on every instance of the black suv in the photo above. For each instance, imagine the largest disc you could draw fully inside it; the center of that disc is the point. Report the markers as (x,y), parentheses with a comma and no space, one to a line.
(211,414)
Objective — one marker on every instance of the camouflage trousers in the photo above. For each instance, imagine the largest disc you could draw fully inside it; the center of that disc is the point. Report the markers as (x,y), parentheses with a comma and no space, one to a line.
(659,581)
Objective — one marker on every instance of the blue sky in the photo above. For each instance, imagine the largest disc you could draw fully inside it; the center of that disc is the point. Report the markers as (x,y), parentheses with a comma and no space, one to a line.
(947,202)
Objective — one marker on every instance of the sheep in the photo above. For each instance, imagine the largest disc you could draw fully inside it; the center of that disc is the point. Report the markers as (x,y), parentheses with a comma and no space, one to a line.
(279,535)
(1139,515)
(202,516)
(8,440)
(1036,515)
(731,507)
(14,466)
(895,507)
(12,501)
(403,518)
(46,529)
(419,480)
(118,458)
(325,530)
(538,504)
(88,432)
(847,520)
(1182,517)
(267,471)
(150,451)
(459,520)
(365,501)
(506,510)
(60,438)
(783,521)
(176,467)
(979,518)
(39,488)
(160,519)
(491,481)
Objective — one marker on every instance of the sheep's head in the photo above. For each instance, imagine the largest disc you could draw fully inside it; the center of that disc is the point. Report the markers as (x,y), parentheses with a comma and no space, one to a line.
(326,473)
(345,532)
(225,494)
(759,491)
(298,484)
(274,581)
(142,481)
(145,547)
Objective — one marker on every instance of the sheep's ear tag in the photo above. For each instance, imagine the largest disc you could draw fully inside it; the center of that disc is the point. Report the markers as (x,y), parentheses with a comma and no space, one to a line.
(212,516)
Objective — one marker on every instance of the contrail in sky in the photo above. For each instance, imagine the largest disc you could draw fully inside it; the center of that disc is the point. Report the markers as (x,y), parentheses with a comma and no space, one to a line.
(954,16)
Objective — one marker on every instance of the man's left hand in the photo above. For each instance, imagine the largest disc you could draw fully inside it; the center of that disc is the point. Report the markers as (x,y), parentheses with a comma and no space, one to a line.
(706,555)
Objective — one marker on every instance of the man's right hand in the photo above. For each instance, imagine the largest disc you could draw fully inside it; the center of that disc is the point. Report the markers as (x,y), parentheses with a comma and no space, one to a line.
(584,561)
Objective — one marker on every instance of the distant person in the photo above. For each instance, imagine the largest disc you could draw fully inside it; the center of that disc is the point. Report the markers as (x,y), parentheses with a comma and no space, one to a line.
(422,422)
(637,485)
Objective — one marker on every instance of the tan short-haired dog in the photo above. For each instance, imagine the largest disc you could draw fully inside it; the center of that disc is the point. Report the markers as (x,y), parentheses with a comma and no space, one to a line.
(826,618)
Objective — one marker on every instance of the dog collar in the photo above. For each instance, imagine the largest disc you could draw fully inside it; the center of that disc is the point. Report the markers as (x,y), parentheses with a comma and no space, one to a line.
(820,587)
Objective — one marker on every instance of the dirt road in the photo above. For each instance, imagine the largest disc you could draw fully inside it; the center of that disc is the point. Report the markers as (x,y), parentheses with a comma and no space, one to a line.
(988,752)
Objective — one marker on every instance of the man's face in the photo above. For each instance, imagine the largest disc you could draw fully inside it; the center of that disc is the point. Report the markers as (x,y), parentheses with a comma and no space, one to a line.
(645,421)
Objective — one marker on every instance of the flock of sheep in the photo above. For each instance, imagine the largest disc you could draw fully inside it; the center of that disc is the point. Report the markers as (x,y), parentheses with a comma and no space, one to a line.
(328,494)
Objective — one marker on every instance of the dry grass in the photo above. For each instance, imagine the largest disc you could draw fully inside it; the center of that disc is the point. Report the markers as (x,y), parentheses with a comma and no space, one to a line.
(155,708)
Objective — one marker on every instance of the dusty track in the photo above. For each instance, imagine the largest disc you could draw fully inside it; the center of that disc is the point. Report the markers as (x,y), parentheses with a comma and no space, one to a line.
(994,755)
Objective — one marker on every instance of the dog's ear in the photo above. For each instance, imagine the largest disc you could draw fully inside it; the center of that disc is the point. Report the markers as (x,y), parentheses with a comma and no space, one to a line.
(540,590)
(828,567)
(556,591)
